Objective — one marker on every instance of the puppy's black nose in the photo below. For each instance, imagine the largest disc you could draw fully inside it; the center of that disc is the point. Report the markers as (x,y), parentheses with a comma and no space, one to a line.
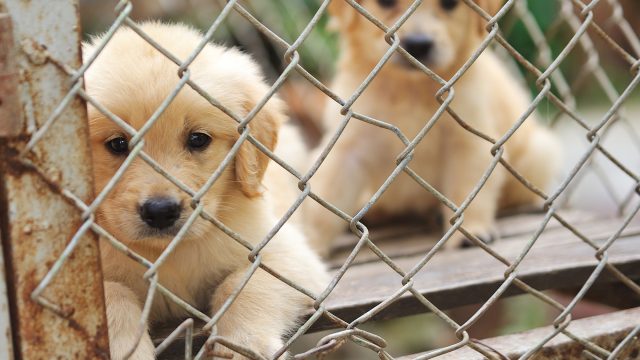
(418,45)
(160,212)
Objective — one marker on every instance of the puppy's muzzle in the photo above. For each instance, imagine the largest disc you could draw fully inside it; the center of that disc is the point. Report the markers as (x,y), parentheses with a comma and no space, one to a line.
(420,46)
(160,212)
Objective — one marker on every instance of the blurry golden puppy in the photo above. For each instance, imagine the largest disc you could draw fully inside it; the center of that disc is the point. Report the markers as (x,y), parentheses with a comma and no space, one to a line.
(145,210)
(442,35)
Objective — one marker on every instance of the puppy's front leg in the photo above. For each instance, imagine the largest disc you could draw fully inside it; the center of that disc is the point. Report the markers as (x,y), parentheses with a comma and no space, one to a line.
(123,316)
(258,318)
(467,158)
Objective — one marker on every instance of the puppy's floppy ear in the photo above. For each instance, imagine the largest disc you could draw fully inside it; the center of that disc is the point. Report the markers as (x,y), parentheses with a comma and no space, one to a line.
(491,7)
(342,15)
(250,162)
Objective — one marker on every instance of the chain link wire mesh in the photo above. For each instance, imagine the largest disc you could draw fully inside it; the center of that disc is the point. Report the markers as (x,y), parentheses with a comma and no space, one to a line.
(552,86)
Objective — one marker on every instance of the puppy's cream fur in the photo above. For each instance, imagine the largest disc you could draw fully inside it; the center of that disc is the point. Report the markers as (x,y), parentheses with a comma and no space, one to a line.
(131,79)
(449,158)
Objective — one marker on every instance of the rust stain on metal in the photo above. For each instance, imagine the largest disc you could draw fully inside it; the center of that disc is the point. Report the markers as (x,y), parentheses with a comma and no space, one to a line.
(36,53)
(6,343)
(76,288)
(11,124)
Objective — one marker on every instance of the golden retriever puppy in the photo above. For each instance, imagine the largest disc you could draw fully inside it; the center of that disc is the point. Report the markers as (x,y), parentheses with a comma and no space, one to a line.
(441,34)
(145,210)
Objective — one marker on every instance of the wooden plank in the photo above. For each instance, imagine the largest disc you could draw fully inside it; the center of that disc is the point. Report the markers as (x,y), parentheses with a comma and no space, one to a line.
(607,331)
(413,238)
(615,295)
(451,279)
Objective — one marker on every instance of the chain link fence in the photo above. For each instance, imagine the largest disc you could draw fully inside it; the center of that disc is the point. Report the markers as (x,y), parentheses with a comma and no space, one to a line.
(58,280)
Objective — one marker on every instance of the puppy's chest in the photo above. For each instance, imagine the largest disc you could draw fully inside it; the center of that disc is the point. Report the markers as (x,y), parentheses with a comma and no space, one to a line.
(412,115)
(192,280)
(409,112)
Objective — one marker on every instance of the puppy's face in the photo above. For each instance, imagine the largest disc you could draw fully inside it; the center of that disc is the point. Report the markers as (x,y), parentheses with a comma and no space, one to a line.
(440,34)
(189,140)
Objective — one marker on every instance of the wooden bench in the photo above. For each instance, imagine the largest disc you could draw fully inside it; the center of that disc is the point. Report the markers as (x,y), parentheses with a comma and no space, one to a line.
(558,260)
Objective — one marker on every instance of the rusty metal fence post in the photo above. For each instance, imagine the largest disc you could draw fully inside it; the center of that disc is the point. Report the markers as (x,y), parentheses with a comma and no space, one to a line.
(52,262)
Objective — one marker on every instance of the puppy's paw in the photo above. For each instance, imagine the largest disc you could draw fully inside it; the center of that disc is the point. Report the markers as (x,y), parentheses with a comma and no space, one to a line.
(123,314)
(264,347)
(486,234)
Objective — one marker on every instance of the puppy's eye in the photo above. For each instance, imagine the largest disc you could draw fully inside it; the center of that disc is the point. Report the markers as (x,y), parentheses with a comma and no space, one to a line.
(387,3)
(198,141)
(448,4)
(118,145)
